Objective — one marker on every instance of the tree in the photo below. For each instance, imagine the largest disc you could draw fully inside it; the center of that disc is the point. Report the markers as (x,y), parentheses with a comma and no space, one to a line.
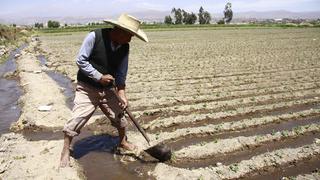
(38,25)
(207,17)
(184,16)
(53,24)
(177,15)
(190,18)
(204,16)
(193,18)
(168,20)
(200,15)
(228,14)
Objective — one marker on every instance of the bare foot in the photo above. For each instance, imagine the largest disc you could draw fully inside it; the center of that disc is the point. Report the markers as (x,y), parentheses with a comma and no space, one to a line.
(128,146)
(65,154)
(65,158)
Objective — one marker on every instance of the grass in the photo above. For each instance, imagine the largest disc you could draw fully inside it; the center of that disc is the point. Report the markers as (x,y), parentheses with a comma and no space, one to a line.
(10,37)
(166,27)
(234,167)
(3,58)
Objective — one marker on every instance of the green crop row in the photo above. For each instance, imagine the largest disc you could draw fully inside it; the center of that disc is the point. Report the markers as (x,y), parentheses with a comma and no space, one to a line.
(165,27)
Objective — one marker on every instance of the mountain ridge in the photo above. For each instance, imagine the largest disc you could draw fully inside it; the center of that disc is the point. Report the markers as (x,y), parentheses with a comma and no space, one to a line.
(158,16)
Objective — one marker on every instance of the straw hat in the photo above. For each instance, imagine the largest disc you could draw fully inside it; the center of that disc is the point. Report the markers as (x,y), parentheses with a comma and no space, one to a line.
(131,24)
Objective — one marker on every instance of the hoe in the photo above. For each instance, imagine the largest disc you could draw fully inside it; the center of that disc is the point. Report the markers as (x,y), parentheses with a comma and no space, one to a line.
(159,151)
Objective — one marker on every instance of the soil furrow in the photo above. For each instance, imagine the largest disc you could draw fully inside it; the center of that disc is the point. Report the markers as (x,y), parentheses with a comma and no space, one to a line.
(289,170)
(235,103)
(313,92)
(160,122)
(236,70)
(221,75)
(257,163)
(153,93)
(179,100)
(258,130)
(228,126)
(238,117)
(313,174)
(245,149)
(177,97)
(234,81)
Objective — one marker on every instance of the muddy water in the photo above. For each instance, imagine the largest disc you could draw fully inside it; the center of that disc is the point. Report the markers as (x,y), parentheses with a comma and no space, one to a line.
(9,93)
(96,154)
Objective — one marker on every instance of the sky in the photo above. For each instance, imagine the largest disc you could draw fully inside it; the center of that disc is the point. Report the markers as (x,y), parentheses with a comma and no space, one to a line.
(94,8)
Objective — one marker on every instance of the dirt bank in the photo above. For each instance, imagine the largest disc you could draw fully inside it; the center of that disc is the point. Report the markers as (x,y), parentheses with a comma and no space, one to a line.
(24,159)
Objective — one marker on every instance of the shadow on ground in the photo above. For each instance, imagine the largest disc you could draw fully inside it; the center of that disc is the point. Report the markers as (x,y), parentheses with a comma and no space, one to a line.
(95,143)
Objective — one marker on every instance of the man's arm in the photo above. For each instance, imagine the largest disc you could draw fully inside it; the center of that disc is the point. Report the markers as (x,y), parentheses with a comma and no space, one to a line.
(83,58)
(121,75)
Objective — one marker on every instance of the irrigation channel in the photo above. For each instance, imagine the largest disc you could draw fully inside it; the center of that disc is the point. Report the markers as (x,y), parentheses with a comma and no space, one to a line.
(9,92)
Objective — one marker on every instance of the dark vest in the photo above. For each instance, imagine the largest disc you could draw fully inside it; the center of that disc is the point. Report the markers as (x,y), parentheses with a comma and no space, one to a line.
(102,58)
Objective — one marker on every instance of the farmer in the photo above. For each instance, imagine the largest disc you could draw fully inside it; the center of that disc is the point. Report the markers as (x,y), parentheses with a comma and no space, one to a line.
(102,61)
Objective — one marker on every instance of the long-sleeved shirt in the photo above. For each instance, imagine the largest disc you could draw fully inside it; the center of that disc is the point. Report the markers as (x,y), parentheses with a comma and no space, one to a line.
(85,66)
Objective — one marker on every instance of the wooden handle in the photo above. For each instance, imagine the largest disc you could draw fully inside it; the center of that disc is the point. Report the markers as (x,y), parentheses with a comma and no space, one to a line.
(135,122)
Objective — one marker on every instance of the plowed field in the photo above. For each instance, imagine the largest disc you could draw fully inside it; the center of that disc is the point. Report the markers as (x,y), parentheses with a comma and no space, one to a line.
(230,103)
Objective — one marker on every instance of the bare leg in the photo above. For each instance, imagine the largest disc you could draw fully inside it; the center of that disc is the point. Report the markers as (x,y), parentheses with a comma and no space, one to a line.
(65,154)
(123,140)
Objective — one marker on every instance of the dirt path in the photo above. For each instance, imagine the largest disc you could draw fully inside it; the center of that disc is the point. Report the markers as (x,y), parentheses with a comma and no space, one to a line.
(24,159)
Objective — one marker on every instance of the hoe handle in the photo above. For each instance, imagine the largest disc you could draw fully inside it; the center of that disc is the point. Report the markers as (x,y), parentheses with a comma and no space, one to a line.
(135,122)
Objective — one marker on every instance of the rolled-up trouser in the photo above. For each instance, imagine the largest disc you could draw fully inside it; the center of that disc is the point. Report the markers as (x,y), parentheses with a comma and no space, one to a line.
(87,99)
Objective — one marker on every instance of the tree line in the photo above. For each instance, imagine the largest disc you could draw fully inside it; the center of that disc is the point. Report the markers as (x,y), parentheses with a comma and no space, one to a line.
(181,16)
(56,24)
(50,24)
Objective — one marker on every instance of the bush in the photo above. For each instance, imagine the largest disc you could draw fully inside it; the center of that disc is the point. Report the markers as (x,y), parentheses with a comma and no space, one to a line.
(220,22)
(53,24)
(168,20)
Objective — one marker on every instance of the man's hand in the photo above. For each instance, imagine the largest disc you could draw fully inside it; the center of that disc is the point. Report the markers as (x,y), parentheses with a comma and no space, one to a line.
(106,79)
(124,99)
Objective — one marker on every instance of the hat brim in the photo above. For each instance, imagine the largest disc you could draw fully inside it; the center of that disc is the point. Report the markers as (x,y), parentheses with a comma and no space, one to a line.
(140,33)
